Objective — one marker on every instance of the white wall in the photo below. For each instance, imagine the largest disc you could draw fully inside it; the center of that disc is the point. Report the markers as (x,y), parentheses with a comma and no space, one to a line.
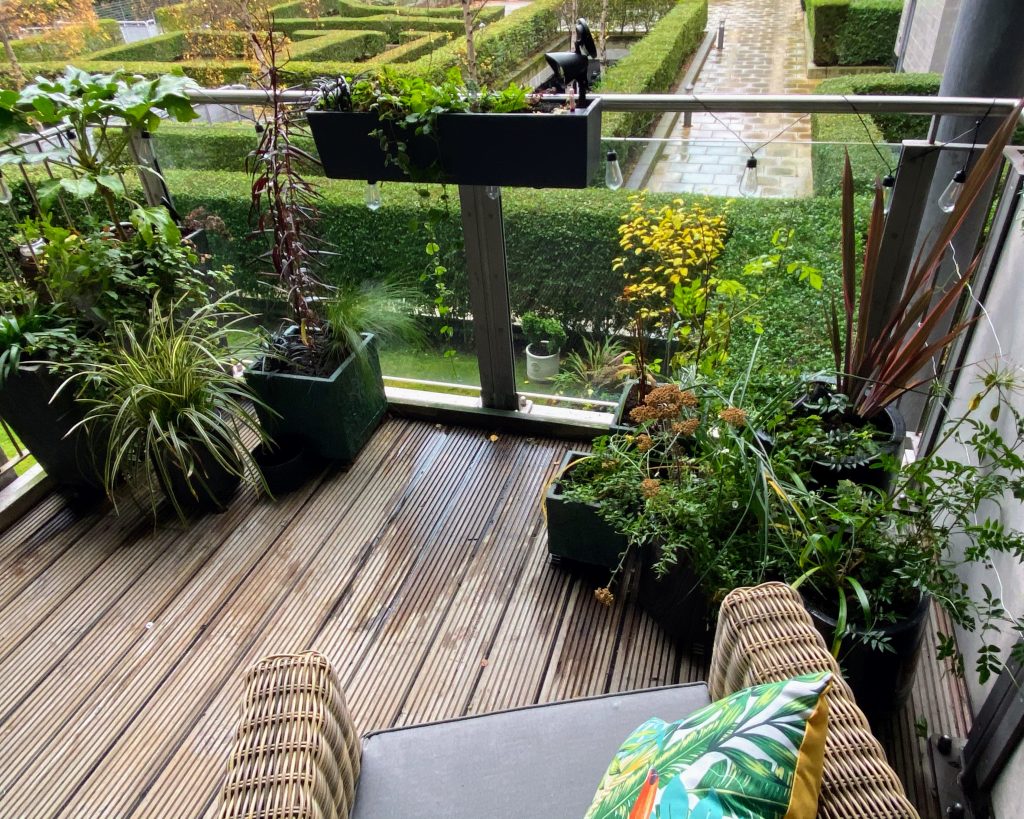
(999,340)
(927,40)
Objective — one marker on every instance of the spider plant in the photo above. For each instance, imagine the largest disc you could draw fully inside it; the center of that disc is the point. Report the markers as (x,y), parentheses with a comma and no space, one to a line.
(170,410)
(874,372)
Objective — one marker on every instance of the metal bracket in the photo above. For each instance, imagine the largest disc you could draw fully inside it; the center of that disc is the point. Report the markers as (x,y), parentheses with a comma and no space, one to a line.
(945,754)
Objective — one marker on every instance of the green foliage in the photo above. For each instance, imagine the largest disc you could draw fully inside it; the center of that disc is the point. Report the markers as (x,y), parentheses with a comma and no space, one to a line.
(348,8)
(173,46)
(501,47)
(653,65)
(65,42)
(35,331)
(385,308)
(164,400)
(869,34)
(846,129)
(853,32)
(543,329)
(340,46)
(623,15)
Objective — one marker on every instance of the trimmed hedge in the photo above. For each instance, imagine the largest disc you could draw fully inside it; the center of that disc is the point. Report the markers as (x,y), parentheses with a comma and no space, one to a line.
(67,41)
(346,8)
(853,32)
(653,65)
(500,47)
(624,16)
(171,47)
(339,45)
(848,128)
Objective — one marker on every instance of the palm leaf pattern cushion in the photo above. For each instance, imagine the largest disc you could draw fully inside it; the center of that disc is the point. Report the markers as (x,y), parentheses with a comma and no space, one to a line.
(757,754)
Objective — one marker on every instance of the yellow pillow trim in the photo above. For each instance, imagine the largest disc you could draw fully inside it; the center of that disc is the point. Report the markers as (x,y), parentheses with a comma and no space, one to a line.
(803,800)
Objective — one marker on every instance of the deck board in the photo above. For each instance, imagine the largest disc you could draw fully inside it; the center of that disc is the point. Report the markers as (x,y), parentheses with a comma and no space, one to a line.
(421,571)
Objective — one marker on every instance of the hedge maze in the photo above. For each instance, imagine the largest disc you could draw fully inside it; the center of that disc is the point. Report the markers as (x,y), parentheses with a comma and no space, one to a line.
(351,38)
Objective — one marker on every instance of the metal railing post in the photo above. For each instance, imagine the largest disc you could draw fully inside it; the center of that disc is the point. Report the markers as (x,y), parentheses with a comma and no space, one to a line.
(721,34)
(154,188)
(484,237)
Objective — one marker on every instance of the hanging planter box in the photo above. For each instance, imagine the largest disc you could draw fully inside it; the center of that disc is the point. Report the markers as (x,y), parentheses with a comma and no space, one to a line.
(526,150)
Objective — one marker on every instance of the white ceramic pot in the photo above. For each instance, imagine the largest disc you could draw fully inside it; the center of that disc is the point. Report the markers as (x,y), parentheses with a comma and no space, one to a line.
(540,367)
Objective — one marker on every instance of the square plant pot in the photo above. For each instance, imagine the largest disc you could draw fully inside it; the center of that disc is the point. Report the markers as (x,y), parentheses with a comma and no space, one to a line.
(43,424)
(576,531)
(335,415)
(532,150)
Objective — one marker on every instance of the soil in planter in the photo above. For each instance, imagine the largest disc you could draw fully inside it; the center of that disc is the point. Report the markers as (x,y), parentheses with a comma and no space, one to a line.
(881,679)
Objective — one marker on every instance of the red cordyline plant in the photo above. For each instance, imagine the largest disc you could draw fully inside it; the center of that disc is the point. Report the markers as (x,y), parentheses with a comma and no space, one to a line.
(284,205)
(874,372)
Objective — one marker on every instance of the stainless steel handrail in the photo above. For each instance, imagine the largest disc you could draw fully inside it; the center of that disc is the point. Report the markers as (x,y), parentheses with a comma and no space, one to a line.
(718,103)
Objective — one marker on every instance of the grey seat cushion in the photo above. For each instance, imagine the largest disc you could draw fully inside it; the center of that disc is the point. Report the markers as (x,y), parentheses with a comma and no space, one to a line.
(540,762)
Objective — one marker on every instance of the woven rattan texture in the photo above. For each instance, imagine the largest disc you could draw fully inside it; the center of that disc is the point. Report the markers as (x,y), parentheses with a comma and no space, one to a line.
(764,635)
(296,753)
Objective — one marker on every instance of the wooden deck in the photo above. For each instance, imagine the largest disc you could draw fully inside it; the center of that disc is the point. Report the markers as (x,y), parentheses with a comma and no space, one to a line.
(421,572)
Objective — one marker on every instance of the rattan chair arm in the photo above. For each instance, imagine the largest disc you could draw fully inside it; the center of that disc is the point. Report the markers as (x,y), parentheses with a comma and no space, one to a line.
(765,635)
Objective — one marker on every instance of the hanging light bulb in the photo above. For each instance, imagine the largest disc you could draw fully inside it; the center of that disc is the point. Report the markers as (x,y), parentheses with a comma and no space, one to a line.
(888,186)
(947,201)
(748,184)
(612,171)
(493,191)
(5,192)
(373,196)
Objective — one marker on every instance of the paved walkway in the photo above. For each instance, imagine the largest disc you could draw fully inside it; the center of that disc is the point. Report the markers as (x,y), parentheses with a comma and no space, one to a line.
(764,53)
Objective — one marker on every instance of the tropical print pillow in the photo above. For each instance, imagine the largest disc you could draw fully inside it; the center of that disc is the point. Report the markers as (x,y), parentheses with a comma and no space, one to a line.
(756,754)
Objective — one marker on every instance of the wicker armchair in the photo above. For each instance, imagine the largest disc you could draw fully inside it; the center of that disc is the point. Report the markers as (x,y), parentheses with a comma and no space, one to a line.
(297,754)
(764,635)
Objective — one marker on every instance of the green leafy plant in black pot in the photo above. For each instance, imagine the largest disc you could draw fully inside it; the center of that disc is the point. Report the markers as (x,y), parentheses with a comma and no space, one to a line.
(870,562)
(874,369)
(171,411)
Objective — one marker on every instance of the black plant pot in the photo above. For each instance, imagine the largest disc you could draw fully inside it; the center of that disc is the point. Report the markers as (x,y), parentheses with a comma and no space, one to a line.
(576,531)
(42,422)
(286,464)
(211,486)
(891,429)
(881,680)
(335,415)
(675,601)
(536,150)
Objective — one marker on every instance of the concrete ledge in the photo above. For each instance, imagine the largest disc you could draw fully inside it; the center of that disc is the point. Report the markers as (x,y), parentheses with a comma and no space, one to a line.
(24,493)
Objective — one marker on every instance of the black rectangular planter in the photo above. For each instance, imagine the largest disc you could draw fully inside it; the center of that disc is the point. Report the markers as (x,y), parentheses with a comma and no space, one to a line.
(527,150)
(335,415)
(43,424)
(576,531)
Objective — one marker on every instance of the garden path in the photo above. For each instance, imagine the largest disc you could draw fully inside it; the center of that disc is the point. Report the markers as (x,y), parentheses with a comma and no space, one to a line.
(765,53)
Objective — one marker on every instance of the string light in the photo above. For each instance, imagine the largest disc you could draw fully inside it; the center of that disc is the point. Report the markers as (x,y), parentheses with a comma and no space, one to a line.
(888,186)
(748,184)
(612,171)
(373,200)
